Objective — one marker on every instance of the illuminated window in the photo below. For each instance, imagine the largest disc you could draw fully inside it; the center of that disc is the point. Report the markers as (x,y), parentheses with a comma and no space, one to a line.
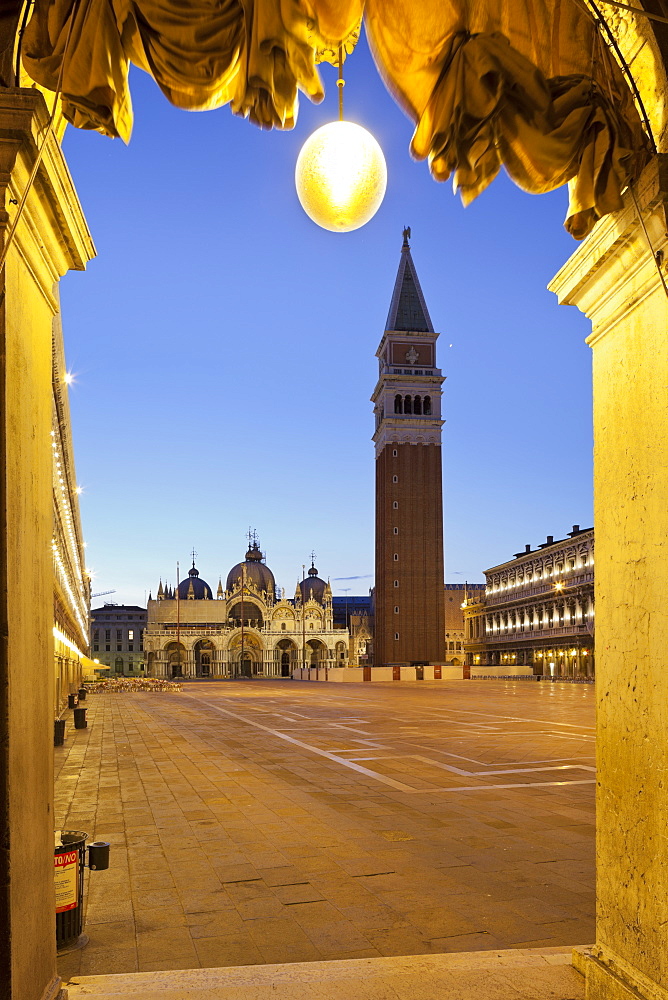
(131,634)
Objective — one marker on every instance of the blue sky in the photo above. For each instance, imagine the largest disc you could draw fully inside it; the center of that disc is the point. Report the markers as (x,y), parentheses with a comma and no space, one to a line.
(224,351)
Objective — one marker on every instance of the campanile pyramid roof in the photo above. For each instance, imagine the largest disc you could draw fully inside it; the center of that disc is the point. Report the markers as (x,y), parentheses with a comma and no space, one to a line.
(408,309)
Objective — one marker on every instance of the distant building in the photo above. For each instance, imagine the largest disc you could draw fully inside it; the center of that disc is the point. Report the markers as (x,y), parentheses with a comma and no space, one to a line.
(537,610)
(248,629)
(455,594)
(356,614)
(117,636)
(345,607)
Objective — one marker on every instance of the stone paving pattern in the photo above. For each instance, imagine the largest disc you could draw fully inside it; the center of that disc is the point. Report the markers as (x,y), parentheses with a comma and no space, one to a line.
(273,822)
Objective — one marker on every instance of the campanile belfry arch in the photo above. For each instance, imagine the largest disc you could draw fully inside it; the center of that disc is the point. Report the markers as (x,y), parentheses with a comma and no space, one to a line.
(409,609)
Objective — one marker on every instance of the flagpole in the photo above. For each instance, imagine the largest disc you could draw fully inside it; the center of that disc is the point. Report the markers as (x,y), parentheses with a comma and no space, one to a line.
(178,623)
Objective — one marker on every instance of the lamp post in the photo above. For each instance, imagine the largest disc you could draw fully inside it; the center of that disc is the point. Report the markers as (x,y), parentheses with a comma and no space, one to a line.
(346,591)
(304,619)
(243,583)
(178,625)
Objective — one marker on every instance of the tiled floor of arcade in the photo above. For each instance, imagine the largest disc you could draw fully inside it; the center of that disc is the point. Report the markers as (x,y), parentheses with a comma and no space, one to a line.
(278,822)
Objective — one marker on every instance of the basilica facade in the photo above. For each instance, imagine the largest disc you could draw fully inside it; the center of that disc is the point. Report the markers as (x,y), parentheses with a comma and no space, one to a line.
(247,630)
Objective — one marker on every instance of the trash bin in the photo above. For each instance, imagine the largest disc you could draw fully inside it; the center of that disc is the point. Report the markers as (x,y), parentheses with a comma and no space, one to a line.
(82,694)
(69,860)
(71,701)
(69,863)
(80,721)
(58,732)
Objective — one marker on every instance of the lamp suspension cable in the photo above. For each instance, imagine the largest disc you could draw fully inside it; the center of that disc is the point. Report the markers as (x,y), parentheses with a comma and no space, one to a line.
(591,8)
(637,10)
(340,83)
(656,255)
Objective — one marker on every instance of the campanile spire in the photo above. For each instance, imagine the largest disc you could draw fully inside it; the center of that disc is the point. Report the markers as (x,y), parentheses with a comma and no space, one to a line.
(408,603)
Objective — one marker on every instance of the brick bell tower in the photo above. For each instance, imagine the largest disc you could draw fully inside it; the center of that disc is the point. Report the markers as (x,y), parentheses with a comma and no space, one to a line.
(409,605)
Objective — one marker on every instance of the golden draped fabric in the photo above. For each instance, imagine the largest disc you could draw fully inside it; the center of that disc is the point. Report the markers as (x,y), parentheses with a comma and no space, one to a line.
(524,84)
(253,54)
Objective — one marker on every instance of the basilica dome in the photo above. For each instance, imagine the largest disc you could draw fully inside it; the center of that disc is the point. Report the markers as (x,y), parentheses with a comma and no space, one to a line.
(253,571)
(193,588)
(313,588)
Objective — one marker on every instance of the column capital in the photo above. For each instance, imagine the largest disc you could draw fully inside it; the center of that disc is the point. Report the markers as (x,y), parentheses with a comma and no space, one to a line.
(613,270)
(53,236)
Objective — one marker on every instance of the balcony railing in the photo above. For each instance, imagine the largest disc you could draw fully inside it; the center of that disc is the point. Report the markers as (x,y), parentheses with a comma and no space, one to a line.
(521,593)
(543,633)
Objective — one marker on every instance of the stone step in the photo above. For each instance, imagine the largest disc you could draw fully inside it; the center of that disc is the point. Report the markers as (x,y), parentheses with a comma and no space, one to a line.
(520,974)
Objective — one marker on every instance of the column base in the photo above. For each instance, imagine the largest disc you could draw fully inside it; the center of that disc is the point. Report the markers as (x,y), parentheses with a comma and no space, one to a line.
(607,977)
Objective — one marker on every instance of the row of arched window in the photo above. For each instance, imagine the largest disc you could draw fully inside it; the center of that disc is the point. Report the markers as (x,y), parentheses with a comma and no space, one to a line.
(413,404)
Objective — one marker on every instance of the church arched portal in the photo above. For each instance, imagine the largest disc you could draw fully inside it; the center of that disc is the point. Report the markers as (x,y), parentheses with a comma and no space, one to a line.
(246,656)
(287,653)
(176,658)
(203,657)
(316,653)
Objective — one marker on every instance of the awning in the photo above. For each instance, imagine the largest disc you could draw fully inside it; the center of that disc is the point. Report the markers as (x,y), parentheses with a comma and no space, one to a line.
(525,84)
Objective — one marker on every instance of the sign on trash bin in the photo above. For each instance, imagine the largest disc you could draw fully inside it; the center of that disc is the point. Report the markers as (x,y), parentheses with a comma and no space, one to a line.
(66,876)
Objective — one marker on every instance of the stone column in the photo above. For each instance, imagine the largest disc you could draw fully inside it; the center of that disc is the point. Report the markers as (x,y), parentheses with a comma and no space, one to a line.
(51,239)
(613,279)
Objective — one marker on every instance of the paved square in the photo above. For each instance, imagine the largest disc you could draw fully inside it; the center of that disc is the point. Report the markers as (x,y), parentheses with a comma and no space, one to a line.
(277,821)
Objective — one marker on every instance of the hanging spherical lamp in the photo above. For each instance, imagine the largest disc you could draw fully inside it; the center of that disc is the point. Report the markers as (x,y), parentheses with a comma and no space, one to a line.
(341,174)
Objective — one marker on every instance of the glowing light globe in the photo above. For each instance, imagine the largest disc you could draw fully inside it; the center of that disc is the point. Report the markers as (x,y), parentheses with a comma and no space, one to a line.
(341,176)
